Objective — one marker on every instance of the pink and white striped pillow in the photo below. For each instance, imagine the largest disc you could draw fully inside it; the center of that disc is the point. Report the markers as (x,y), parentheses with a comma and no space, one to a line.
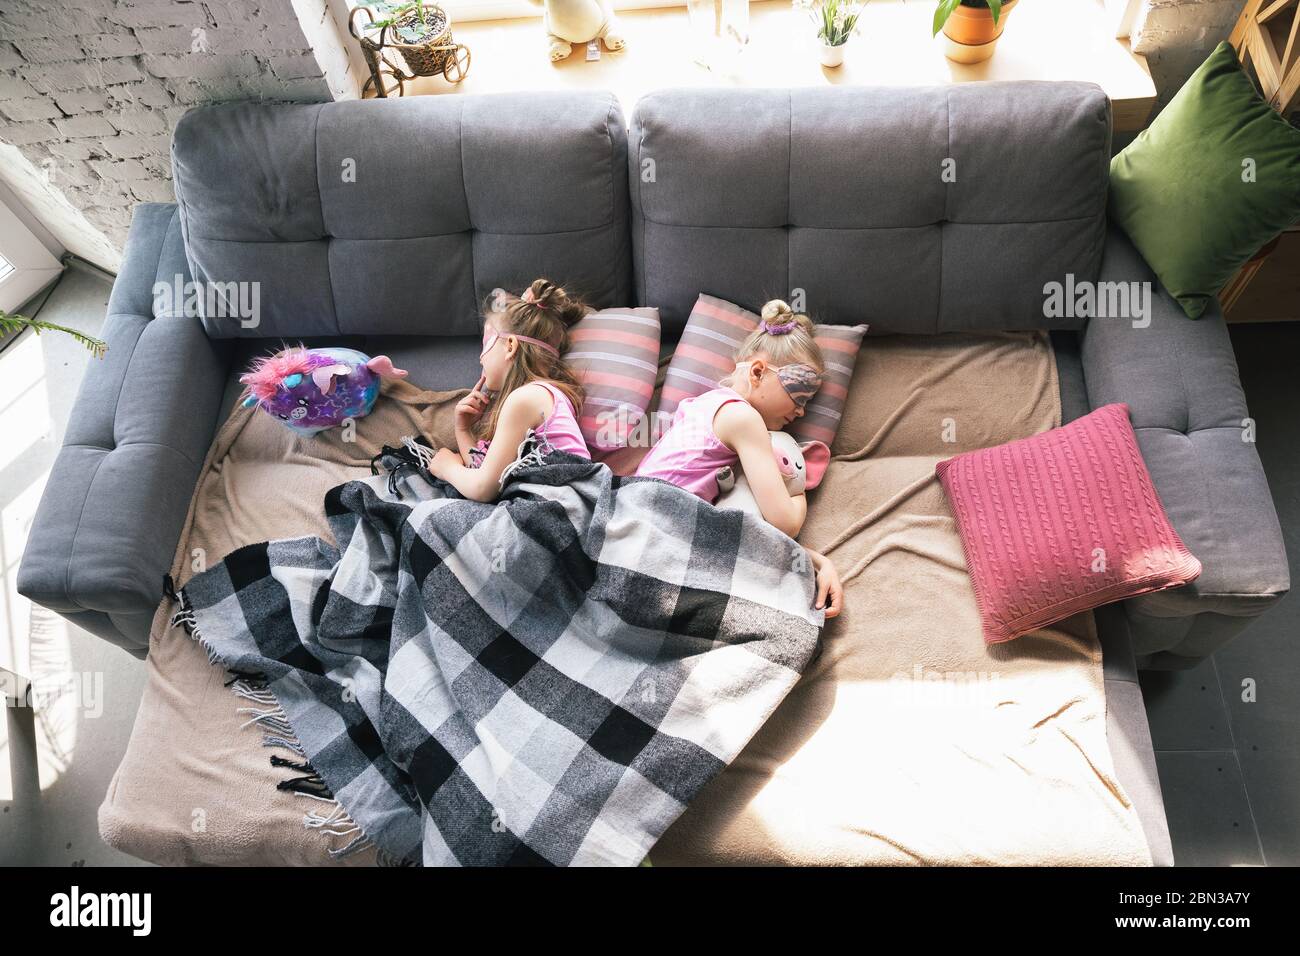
(709,342)
(705,353)
(821,419)
(615,355)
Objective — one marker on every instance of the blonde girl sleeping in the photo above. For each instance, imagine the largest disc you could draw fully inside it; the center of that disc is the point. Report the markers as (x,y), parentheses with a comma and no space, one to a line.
(779,368)
(534,391)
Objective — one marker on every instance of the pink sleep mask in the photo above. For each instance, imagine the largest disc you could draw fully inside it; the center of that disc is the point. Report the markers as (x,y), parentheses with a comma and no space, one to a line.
(490,336)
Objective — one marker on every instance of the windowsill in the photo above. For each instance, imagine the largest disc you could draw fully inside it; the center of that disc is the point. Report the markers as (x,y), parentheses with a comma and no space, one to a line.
(1043,40)
(479,11)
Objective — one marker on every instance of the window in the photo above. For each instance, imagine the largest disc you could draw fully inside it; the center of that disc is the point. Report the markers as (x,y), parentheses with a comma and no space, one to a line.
(26,266)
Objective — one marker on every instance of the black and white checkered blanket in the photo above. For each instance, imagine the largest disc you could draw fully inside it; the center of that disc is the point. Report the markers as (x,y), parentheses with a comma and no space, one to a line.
(547,679)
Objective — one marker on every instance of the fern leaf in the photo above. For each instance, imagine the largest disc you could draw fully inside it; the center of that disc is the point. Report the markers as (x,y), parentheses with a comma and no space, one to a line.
(12,324)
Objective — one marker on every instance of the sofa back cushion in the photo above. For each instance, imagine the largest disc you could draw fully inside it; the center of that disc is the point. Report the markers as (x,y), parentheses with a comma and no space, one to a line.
(913,210)
(399,216)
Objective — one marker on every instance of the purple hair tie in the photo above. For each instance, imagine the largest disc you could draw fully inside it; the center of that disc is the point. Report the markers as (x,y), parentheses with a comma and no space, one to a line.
(781,328)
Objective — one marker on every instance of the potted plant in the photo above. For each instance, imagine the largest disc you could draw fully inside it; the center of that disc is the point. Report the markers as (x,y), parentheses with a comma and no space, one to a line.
(11,324)
(971,27)
(836,21)
(420,31)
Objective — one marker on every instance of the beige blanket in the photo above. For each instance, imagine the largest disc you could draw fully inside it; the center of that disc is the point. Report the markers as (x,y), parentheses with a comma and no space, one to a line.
(195,784)
(907,740)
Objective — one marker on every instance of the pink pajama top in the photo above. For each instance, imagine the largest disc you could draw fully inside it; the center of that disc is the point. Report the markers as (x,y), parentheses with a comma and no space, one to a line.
(560,429)
(690,454)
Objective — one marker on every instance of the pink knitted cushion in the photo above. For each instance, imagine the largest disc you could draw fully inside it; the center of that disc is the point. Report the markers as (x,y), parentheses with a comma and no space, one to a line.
(1060,523)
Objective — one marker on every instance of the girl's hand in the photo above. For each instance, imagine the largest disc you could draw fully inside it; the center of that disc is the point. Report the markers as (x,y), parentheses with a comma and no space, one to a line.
(471,408)
(522,409)
(830,592)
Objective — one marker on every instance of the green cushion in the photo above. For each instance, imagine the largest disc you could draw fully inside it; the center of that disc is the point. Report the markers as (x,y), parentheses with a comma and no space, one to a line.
(1181,190)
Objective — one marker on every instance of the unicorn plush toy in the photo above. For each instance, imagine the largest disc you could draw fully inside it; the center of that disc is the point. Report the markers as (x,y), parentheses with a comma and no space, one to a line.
(310,390)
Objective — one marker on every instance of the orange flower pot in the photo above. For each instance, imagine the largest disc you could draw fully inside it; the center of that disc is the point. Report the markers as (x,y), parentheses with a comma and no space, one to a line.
(970,35)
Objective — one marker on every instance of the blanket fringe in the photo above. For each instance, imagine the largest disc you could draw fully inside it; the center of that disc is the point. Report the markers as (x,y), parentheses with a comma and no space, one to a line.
(331,820)
(531,453)
(414,452)
(338,824)
(419,451)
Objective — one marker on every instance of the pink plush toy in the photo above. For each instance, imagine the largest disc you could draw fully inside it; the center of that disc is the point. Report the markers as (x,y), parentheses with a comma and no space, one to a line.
(802,467)
(313,389)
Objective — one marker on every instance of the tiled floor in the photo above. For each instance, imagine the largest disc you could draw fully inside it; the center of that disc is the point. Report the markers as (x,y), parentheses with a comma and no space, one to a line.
(54,767)
(1230,766)
(1230,770)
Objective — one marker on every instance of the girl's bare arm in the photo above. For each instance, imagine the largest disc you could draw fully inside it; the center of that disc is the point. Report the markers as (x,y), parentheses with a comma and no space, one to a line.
(740,427)
(525,408)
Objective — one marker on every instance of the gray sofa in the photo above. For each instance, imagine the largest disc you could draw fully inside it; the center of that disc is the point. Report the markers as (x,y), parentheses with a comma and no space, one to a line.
(385,223)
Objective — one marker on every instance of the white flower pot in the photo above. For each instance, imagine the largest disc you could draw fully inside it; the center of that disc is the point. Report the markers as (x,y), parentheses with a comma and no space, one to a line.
(831,55)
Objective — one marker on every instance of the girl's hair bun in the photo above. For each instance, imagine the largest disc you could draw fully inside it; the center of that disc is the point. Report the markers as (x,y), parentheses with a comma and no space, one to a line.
(786,337)
(780,319)
(776,309)
(553,300)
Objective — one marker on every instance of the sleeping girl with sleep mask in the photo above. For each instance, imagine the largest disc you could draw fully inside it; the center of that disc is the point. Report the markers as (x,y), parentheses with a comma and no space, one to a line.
(778,370)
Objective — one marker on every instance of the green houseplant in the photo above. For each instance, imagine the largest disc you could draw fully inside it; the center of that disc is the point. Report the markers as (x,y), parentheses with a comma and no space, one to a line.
(421,33)
(11,324)
(408,21)
(836,21)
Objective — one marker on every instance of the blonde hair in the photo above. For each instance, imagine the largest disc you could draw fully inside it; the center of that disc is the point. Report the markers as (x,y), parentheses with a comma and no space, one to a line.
(546,314)
(788,348)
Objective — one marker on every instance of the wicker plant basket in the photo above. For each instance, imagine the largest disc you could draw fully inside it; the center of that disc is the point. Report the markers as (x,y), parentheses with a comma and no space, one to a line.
(435,50)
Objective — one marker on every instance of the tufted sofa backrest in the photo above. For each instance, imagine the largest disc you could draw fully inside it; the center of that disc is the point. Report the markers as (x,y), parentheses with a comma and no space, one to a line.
(399,216)
(915,210)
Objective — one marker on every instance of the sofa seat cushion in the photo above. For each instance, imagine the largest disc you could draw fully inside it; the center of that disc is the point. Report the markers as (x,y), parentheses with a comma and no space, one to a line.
(188,749)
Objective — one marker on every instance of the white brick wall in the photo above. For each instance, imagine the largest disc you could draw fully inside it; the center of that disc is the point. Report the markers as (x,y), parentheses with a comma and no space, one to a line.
(51,210)
(1177,35)
(90,89)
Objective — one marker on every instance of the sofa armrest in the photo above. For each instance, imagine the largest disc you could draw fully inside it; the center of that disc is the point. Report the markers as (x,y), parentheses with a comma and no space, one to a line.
(1179,379)
(106,529)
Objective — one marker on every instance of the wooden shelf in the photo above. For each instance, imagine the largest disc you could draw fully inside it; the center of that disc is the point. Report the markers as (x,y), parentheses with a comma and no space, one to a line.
(1274,293)
(1043,40)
